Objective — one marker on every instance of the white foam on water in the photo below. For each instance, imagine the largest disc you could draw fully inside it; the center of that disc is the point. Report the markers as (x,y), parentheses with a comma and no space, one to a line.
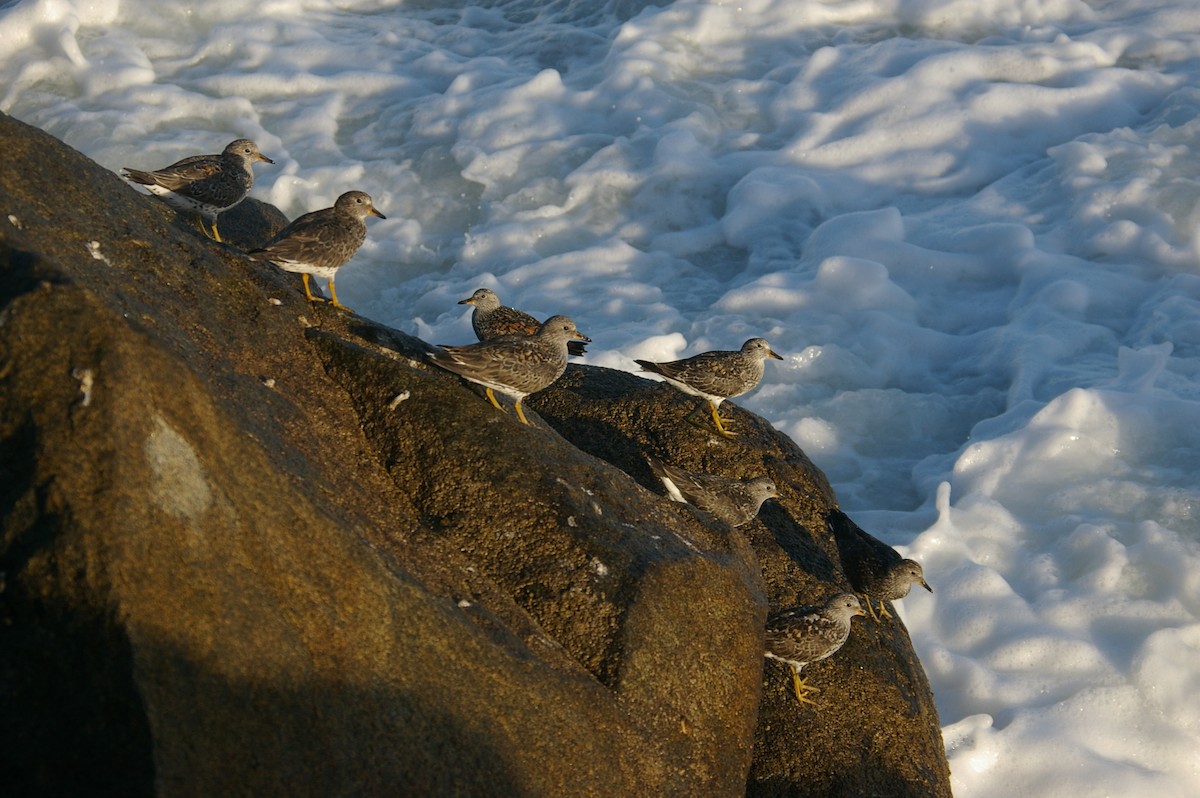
(969,227)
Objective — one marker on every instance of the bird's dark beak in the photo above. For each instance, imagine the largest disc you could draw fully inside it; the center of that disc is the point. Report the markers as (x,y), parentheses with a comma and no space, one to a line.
(377,213)
(771,353)
(467,301)
(262,157)
(580,336)
(925,585)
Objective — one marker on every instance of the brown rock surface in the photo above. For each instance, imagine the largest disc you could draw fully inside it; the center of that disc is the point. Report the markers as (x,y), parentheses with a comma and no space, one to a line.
(255,547)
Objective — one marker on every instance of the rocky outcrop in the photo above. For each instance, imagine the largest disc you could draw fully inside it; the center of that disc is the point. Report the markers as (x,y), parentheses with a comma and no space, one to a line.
(257,547)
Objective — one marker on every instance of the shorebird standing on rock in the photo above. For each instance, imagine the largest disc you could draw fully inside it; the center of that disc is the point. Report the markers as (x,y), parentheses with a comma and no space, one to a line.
(204,184)
(322,242)
(874,568)
(734,501)
(514,366)
(799,635)
(716,376)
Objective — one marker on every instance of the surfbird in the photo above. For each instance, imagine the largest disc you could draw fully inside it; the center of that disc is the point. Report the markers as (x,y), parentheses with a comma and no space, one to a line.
(204,184)
(491,320)
(874,568)
(515,366)
(797,636)
(734,501)
(717,376)
(321,242)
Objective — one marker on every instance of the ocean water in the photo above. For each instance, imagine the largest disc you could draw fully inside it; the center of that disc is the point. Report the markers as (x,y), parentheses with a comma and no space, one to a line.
(970,226)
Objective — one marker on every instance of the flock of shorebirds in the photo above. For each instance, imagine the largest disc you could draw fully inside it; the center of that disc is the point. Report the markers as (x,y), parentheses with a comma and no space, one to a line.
(517,355)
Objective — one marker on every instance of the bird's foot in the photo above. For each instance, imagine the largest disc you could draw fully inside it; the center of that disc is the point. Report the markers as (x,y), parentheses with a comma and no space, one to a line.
(215,235)
(492,398)
(871,608)
(722,428)
(521,415)
(802,688)
(308,294)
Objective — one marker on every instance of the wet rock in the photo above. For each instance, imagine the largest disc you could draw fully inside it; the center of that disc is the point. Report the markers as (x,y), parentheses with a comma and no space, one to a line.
(254,546)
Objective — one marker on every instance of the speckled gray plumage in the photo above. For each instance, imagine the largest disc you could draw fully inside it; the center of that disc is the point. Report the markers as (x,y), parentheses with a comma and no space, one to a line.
(874,568)
(205,184)
(798,636)
(514,366)
(734,501)
(716,376)
(321,242)
(491,320)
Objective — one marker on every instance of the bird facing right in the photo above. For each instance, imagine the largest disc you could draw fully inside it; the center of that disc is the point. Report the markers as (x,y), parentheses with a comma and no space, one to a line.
(797,636)
(717,376)
(734,501)
(874,568)
(204,184)
(514,366)
(322,241)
